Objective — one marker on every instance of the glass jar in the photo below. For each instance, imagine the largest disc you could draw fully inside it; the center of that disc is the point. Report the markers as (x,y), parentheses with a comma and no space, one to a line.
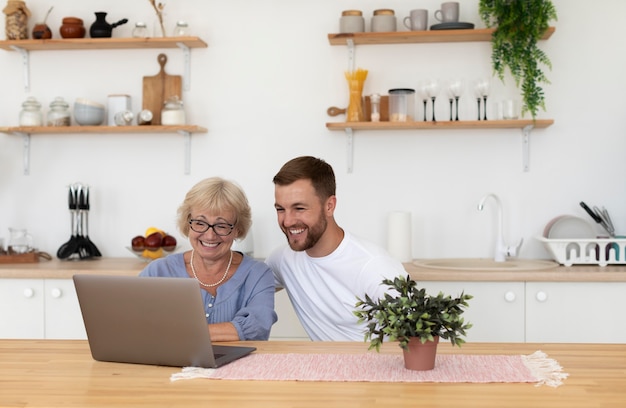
(59,114)
(181,29)
(140,30)
(401,105)
(173,112)
(16,23)
(31,113)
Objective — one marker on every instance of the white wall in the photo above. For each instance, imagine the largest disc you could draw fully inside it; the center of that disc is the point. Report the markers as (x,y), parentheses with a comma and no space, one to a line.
(262,88)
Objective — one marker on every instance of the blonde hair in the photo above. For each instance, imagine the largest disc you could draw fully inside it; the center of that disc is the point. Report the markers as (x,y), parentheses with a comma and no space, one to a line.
(217,195)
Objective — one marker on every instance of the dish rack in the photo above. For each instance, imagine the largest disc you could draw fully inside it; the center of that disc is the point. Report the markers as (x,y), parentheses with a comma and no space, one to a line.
(602,251)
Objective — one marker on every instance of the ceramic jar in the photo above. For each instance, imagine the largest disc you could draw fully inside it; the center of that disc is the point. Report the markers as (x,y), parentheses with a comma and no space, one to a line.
(384,20)
(59,114)
(72,27)
(351,21)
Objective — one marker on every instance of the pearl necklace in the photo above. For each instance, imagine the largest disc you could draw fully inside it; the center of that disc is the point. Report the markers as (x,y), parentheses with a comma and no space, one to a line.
(210,285)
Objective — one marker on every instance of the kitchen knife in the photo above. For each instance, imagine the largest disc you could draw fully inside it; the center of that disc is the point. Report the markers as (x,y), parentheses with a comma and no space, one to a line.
(591,213)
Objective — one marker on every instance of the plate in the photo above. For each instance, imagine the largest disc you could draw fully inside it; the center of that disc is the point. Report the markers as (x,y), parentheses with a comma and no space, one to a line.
(161,254)
(569,227)
(452,26)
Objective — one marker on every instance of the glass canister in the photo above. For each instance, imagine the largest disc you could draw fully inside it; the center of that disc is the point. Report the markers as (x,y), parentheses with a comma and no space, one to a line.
(16,24)
(173,112)
(401,105)
(181,29)
(59,114)
(31,113)
(140,30)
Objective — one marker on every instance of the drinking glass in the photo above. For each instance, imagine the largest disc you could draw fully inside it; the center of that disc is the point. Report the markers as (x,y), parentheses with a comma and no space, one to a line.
(455,89)
(433,90)
(423,93)
(482,92)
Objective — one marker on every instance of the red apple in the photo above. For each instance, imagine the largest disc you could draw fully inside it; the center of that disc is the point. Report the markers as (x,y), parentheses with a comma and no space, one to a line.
(138,243)
(153,241)
(168,243)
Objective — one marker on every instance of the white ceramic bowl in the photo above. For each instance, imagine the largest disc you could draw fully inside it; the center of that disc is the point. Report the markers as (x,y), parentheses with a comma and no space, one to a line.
(88,113)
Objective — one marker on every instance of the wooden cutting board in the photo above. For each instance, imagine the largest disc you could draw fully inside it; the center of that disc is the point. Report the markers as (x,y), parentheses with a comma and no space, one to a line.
(158,88)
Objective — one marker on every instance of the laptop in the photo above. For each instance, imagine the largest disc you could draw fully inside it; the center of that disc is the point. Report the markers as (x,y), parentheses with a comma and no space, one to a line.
(149,320)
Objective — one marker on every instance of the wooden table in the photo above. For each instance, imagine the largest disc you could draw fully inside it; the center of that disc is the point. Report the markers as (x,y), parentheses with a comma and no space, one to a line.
(54,373)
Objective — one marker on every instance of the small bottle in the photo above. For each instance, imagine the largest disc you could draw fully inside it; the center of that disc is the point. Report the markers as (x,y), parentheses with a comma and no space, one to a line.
(375,107)
(173,112)
(140,30)
(31,113)
(181,29)
(124,118)
(59,114)
(144,117)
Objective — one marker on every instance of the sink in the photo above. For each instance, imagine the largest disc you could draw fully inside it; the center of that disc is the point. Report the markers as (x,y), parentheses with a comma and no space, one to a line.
(485,264)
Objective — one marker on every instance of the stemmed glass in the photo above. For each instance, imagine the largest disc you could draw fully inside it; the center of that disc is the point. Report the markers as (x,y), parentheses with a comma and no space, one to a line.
(455,88)
(423,92)
(482,92)
(432,90)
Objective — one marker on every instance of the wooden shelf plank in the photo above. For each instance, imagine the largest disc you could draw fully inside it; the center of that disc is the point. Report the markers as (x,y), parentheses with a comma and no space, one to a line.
(102,43)
(442,125)
(414,37)
(65,130)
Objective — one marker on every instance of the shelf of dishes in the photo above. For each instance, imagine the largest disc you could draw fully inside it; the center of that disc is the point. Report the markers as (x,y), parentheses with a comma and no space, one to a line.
(460,124)
(27,131)
(414,37)
(102,43)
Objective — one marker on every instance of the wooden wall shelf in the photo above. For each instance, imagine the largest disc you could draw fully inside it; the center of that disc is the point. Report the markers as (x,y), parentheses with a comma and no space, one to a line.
(102,43)
(462,124)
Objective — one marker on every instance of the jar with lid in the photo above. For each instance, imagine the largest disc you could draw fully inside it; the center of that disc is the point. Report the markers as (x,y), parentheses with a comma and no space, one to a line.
(173,112)
(401,105)
(375,107)
(181,29)
(31,113)
(351,21)
(384,20)
(59,114)
(16,23)
(140,30)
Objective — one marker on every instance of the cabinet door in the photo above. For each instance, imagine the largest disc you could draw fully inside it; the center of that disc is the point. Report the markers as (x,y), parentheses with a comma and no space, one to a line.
(21,309)
(496,311)
(63,318)
(575,312)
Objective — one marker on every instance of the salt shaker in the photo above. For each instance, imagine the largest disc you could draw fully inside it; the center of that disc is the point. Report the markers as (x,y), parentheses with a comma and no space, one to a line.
(375,107)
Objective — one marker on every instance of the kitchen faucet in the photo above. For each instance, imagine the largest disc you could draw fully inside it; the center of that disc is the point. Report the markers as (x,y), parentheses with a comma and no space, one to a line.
(502,250)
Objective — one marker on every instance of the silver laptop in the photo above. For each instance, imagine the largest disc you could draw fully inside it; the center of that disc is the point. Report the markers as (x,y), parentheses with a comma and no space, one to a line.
(144,320)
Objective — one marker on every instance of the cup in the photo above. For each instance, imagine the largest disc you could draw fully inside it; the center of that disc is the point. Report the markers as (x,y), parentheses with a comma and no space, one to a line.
(383,20)
(351,21)
(510,109)
(417,21)
(20,241)
(449,12)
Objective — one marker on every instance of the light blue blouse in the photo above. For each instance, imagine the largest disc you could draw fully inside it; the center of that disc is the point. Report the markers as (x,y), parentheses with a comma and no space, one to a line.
(246,300)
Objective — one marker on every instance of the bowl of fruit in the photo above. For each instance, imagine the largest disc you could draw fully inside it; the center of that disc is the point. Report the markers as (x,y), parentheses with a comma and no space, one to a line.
(154,244)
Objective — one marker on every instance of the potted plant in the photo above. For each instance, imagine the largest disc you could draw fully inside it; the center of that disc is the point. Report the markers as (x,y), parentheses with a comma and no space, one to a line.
(409,315)
(519,25)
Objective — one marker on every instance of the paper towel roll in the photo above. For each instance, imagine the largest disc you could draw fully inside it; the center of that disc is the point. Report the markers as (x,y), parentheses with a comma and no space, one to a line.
(399,233)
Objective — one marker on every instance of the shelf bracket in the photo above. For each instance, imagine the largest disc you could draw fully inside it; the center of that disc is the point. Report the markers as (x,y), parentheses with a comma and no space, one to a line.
(25,65)
(187,136)
(350,149)
(187,58)
(26,151)
(526,147)
(351,52)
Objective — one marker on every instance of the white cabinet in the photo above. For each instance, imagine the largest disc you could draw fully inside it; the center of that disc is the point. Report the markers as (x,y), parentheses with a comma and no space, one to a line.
(575,312)
(496,311)
(40,309)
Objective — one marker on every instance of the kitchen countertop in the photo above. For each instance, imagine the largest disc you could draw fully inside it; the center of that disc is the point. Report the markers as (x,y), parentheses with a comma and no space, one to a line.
(55,373)
(57,269)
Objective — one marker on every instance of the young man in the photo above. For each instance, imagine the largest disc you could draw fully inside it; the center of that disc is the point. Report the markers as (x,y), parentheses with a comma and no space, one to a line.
(324,268)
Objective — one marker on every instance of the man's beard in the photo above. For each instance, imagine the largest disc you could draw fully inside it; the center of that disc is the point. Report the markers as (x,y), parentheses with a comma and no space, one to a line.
(313,234)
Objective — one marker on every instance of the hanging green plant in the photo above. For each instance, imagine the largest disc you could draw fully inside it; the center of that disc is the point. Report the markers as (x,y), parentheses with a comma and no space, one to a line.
(519,25)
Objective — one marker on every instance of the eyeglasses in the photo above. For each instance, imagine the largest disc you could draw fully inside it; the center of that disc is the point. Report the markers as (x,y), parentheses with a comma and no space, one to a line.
(221,228)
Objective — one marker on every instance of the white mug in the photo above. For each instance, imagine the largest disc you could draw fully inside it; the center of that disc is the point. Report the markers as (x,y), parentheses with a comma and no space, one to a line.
(417,21)
(449,12)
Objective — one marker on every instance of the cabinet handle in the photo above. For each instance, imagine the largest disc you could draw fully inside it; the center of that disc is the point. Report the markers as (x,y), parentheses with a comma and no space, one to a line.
(29,293)
(509,296)
(541,296)
(56,293)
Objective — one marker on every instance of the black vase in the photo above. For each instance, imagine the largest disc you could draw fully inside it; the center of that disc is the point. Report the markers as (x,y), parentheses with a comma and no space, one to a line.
(100,28)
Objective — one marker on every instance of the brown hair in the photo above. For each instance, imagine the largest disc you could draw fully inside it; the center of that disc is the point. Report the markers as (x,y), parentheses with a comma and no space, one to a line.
(308,168)
(217,195)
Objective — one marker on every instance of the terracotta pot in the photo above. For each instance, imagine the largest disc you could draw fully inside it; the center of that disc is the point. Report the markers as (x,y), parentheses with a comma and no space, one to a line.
(421,357)
(72,28)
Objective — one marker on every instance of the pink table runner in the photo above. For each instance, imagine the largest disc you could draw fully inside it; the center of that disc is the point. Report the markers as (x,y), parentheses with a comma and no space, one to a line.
(449,368)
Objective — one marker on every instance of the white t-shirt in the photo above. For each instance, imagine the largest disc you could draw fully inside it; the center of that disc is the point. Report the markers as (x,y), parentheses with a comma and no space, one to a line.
(323,291)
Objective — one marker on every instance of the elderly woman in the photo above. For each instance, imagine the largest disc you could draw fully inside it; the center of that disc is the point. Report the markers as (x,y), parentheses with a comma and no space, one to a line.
(238,292)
